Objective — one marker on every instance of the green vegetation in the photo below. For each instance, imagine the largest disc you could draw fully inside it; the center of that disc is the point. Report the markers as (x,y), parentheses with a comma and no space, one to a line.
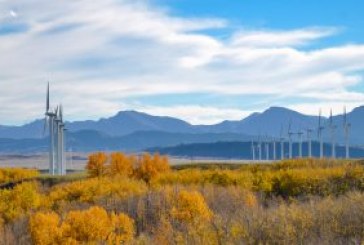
(139,200)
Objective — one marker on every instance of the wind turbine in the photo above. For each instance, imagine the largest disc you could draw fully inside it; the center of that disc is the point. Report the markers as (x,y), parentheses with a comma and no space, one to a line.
(309,141)
(260,149)
(282,143)
(253,150)
(290,133)
(319,134)
(54,119)
(61,140)
(333,140)
(267,148)
(300,133)
(49,120)
(274,149)
(347,127)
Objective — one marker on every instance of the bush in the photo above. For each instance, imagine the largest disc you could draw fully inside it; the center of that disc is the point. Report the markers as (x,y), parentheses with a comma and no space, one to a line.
(96,165)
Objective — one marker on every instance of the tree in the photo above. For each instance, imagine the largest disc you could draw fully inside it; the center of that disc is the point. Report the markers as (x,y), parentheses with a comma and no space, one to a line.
(121,164)
(44,228)
(123,228)
(191,207)
(151,166)
(96,164)
(19,201)
(91,225)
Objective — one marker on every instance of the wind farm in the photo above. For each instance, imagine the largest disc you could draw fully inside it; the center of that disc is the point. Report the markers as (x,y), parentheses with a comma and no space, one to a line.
(181,122)
(54,122)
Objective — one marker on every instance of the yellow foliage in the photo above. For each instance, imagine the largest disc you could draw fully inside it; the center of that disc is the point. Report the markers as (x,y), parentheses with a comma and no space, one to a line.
(89,225)
(96,164)
(149,167)
(44,228)
(121,164)
(190,207)
(92,189)
(16,174)
(19,201)
(123,228)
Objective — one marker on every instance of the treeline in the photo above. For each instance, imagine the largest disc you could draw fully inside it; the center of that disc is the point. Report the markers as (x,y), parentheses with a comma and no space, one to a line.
(129,199)
(143,167)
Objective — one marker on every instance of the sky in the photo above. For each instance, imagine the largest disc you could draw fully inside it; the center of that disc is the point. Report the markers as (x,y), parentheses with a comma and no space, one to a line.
(202,61)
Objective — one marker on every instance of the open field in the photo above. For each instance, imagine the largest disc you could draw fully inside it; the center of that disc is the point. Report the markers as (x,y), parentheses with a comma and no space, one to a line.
(142,200)
(79,161)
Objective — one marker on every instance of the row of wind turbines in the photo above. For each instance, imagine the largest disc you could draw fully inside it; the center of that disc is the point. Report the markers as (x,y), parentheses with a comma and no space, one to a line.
(258,147)
(54,121)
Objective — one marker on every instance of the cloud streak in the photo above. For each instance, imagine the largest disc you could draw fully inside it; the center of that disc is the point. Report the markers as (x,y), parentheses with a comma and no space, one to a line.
(96,54)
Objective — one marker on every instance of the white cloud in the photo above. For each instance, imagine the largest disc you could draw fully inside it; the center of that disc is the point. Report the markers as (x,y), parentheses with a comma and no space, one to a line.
(98,53)
(268,38)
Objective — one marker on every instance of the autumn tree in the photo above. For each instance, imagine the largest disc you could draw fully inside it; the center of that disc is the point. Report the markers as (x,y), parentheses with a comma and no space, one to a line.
(19,201)
(44,228)
(121,164)
(123,227)
(150,166)
(89,225)
(96,164)
(191,207)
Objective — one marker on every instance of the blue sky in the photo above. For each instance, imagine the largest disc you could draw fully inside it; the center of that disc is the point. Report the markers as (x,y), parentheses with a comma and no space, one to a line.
(203,61)
(281,14)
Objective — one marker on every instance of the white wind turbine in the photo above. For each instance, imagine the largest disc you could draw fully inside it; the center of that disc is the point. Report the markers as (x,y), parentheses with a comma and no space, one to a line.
(333,138)
(347,127)
(319,134)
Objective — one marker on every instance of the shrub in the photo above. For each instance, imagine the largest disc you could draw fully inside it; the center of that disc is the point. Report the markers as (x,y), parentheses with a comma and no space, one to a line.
(190,207)
(120,164)
(19,201)
(149,167)
(96,164)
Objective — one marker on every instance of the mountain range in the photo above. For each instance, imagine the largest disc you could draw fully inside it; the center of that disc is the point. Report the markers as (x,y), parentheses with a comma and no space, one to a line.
(132,130)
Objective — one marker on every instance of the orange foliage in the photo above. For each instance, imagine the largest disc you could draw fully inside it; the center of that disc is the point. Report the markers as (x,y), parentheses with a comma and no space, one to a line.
(123,227)
(44,228)
(191,207)
(92,189)
(16,174)
(151,166)
(90,226)
(121,164)
(19,201)
(96,164)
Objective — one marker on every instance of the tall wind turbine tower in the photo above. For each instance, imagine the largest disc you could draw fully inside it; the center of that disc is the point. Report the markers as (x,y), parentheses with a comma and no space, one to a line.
(260,149)
(309,142)
(282,143)
(267,148)
(253,150)
(49,120)
(347,127)
(274,149)
(333,139)
(319,134)
(56,137)
(300,134)
(290,134)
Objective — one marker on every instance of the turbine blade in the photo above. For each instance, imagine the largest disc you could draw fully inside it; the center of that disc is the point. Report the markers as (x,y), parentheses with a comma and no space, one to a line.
(61,113)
